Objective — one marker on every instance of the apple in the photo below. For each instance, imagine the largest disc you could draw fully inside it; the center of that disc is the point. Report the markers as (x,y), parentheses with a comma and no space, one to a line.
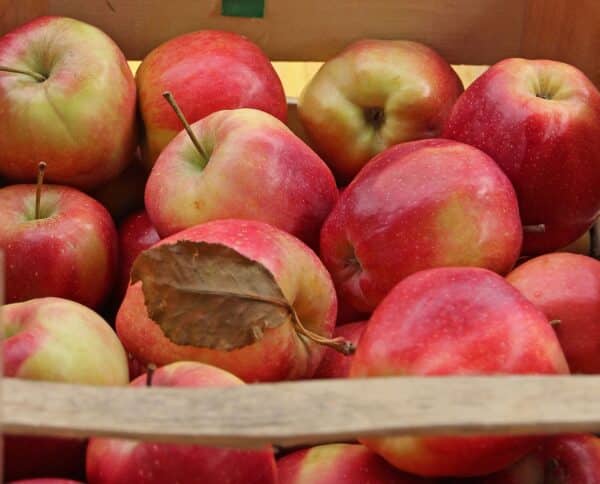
(124,194)
(340,464)
(416,206)
(375,94)
(563,459)
(255,168)
(334,364)
(48,480)
(540,121)
(68,98)
(136,234)
(566,288)
(68,250)
(455,321)
(119,461)
(54,339)
(278,353)
(207,71)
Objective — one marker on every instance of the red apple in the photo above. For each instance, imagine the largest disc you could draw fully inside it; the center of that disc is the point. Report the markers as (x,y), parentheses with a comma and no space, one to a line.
(207,71)
(416,206)
(277,354)
(566,287)
(55,339)
(455,321)
(540,121)
(126,461)
(48,480)
(563,459)
(124,194)
(69,251)
(335,364)
(136,234)
(375,94)
(340,464)
(68,98)
(256,169)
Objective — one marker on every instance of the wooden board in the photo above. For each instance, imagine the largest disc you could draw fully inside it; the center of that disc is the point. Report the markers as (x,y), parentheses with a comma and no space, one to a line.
(465,31)
(307,412)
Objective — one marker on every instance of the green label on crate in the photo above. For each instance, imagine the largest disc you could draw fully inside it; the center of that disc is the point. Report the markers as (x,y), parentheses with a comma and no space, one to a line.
(243,8)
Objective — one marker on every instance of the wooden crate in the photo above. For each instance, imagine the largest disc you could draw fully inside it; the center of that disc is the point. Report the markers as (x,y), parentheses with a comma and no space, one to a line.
(475,32)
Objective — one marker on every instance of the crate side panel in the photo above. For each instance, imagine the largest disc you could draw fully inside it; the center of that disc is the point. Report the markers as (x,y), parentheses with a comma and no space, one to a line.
(564,30)
(465,31)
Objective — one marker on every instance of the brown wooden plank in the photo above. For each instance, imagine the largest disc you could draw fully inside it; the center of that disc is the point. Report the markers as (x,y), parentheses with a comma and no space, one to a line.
(564,30)
(311,411)
(16,12)
(466,31)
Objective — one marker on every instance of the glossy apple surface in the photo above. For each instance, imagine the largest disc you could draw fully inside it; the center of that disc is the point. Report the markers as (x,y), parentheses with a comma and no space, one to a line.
(257,169)
(340,464)
(281,354)
(76,112)
(416,206)
(375,94)
(540,121)
(455,321)
(206,71)
(113,461)
(69,252)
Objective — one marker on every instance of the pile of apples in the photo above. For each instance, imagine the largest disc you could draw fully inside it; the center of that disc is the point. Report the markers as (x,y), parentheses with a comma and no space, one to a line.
(431,219)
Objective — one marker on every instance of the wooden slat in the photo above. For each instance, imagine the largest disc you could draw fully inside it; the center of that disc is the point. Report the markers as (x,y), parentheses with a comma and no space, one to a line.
(466,31)
(564,30)
(307,412)
(16,12)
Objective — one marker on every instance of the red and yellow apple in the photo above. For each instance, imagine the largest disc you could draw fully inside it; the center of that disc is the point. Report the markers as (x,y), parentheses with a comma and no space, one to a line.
(540,121)
(416,206)
(375,94)
(256,169)
(280,353)
(68,98)
(54,339)
(340,464)
(206,71)
(566,288)
(113,461)
(455,321)
(70,251)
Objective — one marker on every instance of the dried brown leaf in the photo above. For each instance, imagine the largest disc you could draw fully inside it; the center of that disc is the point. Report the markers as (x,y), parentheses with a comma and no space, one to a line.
(209,295)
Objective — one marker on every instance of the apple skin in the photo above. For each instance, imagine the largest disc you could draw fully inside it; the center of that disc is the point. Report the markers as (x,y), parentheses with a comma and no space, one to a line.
(136,234)
(81,120)
(206,71)
(281,354)
(118,461)
(334,364)
(48,480)
(340,464)
(566,287)
(54,339)
(70,253)
(416,206)
(412,86)
(549,148)
(563,459)
(433,323)
(257,170)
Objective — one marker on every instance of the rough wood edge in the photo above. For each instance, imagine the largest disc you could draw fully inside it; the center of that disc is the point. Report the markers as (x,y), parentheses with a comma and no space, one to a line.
(316,411)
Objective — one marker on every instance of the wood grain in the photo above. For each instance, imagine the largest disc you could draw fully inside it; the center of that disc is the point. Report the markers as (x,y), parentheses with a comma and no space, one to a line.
(307,412)
(465,31)
(564,30)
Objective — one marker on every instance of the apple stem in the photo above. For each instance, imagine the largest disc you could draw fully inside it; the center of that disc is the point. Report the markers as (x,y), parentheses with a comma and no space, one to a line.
(534,229)
(150,373)
(555,322)
(38,188)
(38,77)
(339,344)
(171,100)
